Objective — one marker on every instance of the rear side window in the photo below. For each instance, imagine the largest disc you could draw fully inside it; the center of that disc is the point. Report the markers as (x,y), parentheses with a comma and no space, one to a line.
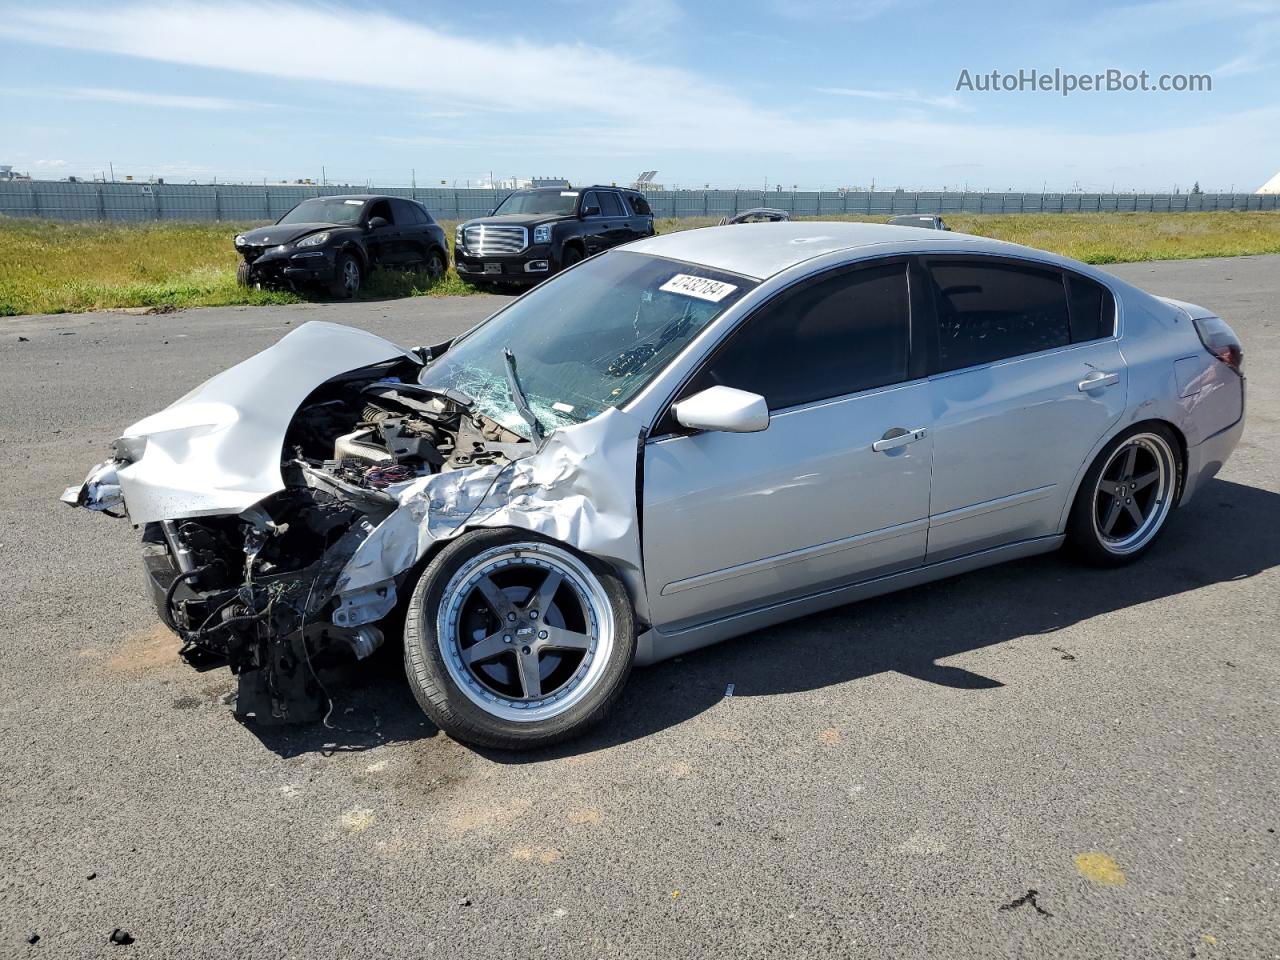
(639,204)
(832,337)
(406,212)
(1093,309)
(611,205)
(990,311)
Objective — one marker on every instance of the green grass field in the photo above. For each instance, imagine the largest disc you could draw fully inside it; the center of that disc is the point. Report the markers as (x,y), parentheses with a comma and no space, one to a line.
(58,267)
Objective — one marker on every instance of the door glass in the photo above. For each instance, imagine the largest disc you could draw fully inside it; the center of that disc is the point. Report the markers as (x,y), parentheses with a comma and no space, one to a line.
(1093,310)
(831,337)
(610,205)
(405,213)
(590,199)
(988,311)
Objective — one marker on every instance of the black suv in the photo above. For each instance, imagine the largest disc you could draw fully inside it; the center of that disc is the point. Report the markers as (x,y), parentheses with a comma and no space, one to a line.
(533,233)
(336,241)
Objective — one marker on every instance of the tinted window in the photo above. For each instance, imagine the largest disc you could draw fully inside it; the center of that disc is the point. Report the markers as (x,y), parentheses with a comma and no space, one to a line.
(381,209)
(639,204)
(831,337)
(591,199)
(406,212)
(989,311)
(426,214)
(1093,311)
(611,205)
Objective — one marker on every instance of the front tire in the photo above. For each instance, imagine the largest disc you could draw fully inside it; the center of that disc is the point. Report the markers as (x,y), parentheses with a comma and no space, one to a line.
(1126,496)
(347,277)
(571,256)
(244,274)
(517,642)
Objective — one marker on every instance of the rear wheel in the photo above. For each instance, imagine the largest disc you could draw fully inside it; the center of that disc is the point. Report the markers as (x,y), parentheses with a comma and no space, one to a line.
(347,277)
(1126,496)
(435,264)
(514,641)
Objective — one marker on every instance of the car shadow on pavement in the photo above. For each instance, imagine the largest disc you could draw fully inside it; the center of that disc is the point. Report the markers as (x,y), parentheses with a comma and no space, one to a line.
(1226,534)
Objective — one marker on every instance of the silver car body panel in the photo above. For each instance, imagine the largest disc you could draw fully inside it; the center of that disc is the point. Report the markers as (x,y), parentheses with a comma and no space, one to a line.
(733,532)
(740,520)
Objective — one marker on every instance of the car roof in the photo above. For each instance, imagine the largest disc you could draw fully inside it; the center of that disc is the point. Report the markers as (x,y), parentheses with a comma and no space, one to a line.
(770,248)
(361,196)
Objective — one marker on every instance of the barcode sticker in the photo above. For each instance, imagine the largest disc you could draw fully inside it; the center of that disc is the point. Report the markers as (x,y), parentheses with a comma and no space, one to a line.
(700,287)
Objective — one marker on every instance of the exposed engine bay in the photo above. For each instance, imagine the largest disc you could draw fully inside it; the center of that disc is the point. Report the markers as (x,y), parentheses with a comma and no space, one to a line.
(255,591)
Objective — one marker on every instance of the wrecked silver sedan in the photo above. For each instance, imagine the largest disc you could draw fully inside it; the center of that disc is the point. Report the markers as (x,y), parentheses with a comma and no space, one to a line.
(672,443)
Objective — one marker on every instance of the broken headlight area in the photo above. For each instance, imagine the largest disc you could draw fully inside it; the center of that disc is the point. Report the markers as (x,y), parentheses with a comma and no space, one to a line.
(255,591)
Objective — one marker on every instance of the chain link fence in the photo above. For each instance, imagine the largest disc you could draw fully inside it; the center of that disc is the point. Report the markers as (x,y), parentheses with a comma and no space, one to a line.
(243,203)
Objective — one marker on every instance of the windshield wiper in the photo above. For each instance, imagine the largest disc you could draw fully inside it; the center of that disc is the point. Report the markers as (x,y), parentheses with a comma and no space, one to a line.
(518,398)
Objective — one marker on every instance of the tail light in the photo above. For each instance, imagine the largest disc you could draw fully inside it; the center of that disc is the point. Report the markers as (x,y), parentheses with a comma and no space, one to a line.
(1221,341)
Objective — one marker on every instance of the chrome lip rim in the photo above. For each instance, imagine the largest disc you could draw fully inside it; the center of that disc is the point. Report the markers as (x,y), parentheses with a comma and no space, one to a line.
(1160,501)
(595,606)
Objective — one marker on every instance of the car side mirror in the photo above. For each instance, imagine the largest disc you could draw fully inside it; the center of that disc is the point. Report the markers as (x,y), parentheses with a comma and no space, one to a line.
(590,212)
(377,223)
(724,409)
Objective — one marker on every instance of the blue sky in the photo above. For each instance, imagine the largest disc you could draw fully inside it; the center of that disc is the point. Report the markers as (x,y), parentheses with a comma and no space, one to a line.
(807,92)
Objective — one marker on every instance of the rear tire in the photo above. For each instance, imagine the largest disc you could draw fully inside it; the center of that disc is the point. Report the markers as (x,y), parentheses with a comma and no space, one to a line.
(435,264)
(516,642)
(347,277)
(1126,496)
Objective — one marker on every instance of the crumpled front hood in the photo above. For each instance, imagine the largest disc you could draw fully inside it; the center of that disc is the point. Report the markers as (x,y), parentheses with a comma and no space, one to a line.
(217,449)
(283,233)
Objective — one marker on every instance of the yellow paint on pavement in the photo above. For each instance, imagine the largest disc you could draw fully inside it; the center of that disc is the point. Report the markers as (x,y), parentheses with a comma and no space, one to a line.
(1100,869)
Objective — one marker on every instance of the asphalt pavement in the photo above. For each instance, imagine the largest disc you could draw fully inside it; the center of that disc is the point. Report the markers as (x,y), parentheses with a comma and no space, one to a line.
(1036,760)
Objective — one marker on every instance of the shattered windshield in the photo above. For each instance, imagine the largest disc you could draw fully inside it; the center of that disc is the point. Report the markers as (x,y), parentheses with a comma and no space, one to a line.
(540,202)
(587,340)
(324,211)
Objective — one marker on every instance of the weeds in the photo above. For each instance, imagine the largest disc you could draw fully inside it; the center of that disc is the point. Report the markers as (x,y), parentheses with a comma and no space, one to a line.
(51,266)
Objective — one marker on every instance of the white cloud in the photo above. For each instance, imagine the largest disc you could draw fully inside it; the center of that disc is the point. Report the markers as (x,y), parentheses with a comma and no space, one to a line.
(164,100)
(898,96)
(589,104)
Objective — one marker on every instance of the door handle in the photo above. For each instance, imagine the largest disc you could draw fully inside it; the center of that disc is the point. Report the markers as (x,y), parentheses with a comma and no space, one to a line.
(898,437)
(1098,379)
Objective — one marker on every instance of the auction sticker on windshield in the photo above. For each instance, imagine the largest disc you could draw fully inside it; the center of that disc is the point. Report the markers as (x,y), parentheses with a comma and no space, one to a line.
(701,287)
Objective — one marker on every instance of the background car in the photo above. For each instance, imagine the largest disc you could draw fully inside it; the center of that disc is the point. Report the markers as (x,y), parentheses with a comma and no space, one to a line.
(335,242)
(927,221)
(757,215)
(532,234)
(804,414)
